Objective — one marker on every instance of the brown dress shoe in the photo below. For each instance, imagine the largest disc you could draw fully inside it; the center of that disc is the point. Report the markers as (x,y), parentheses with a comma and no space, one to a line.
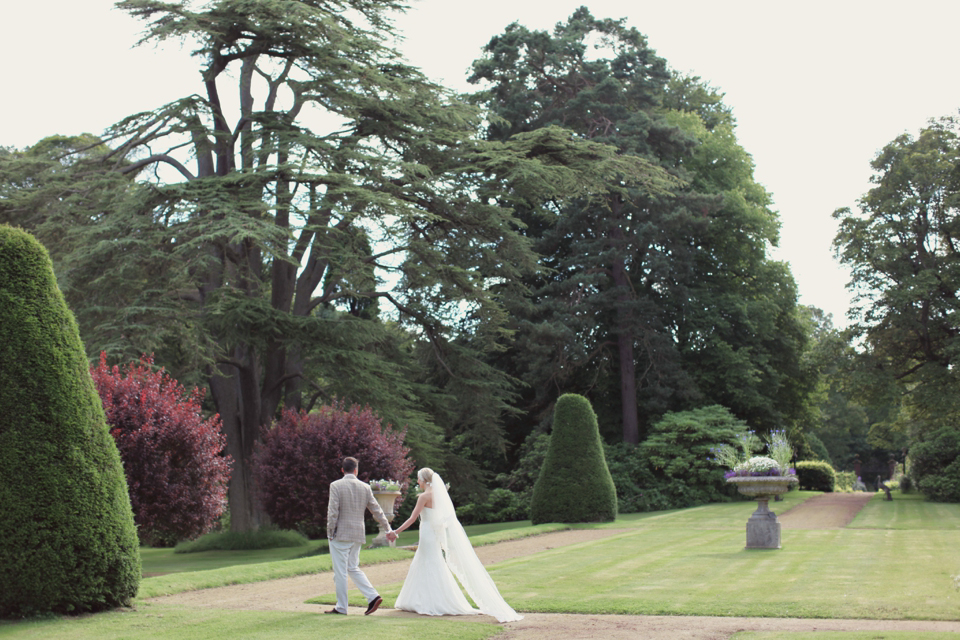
(336,611)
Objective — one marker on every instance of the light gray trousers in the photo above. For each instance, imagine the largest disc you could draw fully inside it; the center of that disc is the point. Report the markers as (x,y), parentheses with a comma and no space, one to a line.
(346,560)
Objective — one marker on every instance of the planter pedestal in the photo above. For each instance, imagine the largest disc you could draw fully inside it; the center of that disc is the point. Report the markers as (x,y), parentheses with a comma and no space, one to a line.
(763,528)
(386,500)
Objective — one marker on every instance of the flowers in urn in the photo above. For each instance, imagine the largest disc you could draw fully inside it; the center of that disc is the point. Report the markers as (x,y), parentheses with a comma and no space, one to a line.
(742,462)
(385,485)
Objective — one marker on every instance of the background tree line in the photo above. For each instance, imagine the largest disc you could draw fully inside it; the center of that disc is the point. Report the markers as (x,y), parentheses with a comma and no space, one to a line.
(341,227)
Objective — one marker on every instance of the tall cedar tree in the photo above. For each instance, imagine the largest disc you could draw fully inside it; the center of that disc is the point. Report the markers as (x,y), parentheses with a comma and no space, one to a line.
(302,454)
(173,457)
(664,302)
(67,538)
(261,237)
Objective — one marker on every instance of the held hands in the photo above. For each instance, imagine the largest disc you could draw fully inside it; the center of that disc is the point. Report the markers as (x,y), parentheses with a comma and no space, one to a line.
(392,535)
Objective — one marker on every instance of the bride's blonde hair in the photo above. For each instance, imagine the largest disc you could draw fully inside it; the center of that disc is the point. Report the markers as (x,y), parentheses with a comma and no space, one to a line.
(425,475)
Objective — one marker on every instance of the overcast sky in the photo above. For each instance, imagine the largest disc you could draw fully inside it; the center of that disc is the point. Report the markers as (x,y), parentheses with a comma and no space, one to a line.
(818,88)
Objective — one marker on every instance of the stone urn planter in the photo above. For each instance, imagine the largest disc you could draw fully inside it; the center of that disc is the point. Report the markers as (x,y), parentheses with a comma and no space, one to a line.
(386,500)
(763,528)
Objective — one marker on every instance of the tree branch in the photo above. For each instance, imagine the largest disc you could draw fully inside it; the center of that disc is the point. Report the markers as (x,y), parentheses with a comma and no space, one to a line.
(160,157)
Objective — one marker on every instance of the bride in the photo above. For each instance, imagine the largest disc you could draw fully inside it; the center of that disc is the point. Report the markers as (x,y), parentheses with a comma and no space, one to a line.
(445,551)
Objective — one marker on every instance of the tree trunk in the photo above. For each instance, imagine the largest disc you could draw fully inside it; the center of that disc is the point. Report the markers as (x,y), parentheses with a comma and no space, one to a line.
(625,336)
(628,374)
(628,389)
(237,398)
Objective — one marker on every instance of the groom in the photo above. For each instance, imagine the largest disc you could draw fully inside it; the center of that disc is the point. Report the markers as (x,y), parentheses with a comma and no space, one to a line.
(349,498)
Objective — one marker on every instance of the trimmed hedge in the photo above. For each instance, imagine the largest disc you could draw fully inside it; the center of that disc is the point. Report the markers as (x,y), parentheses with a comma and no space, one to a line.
(574,484)
(816,475)
(67,538)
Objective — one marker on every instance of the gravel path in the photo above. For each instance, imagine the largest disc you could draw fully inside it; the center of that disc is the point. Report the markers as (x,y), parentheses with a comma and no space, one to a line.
(827,511)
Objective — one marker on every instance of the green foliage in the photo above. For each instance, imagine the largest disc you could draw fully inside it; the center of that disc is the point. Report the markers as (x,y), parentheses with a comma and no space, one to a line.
(524,474)
(817,447)
(264,241)
(706,317)
(844,481)
(674,467)
(513,492)
(741,338)
(816,475)
(900,248)
(500,505)
(839,419)
(935,465)
(574,484)
(906,484)
(679,452)
(635,482)
(264,538)
(67,538)
(731,457)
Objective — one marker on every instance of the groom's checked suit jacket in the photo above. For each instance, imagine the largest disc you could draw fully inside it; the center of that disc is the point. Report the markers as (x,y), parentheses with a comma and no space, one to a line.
(349,498)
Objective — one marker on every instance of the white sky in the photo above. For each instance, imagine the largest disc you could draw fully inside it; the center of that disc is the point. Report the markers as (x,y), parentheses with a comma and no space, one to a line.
(817,87)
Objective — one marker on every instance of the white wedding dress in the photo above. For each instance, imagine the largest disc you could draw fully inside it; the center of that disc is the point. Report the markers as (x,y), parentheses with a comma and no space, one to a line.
(444,551)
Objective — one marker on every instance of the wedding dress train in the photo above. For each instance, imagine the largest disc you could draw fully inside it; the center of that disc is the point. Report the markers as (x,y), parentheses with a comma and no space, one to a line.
(444,551)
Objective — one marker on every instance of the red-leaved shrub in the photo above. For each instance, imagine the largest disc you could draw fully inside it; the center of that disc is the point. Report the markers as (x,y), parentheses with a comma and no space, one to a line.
(302,454)
(176,470)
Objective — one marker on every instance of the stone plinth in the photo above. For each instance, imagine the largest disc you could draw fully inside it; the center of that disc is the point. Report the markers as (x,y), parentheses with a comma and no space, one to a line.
(763,528)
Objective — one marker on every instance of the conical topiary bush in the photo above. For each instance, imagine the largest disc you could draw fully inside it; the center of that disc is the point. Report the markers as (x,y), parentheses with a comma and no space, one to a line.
(574,484)
(67,538)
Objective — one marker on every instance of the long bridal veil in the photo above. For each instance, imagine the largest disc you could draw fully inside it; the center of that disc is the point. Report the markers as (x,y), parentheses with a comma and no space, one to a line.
(463,560)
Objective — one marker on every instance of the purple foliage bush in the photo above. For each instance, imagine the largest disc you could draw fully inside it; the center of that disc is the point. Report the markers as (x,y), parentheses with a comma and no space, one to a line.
(173,458)
(301,455)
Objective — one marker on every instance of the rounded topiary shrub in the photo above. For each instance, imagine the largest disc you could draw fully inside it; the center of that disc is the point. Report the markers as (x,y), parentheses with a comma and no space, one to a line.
(574,484)
(67,538)
(816,475)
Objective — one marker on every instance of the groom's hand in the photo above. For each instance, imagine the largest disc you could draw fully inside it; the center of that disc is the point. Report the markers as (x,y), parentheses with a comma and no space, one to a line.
(391,536)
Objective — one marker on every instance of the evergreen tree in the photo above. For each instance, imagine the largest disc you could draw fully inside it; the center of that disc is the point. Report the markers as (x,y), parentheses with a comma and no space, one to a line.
(650,301)
(574,483)
(67,538)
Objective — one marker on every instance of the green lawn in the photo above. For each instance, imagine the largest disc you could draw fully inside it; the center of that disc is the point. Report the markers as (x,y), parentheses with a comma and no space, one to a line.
(896,561)
(692,562)
(171,583)
(157,561)
(177,623)
(907,511)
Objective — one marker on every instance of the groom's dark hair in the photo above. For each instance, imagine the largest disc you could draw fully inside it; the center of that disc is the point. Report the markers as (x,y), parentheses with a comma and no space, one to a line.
(350,465)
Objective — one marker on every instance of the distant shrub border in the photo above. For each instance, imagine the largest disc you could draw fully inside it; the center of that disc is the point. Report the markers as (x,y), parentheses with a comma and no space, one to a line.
(816,475)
